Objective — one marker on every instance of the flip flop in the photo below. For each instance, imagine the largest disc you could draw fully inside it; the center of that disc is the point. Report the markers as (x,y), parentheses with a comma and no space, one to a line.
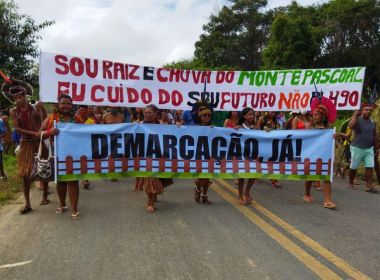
(329,205)
(61,210)
(75,216)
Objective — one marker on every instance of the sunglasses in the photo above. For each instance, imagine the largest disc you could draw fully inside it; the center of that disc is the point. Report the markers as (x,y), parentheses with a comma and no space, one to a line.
(208,115)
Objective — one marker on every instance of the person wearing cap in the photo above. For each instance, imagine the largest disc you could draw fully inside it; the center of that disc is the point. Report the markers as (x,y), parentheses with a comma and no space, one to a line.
(27,121)
(363,145)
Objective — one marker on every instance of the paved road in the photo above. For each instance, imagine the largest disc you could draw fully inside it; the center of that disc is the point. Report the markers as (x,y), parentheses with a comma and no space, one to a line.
(278,237)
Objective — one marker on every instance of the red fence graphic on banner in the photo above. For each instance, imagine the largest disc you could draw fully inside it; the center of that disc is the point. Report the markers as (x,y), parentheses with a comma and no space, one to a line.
(146,164)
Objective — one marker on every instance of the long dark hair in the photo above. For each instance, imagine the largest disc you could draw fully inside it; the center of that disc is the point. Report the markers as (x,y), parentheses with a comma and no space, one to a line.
(243,113)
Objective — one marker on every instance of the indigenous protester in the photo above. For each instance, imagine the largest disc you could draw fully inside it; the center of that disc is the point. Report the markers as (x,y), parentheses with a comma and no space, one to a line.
(233,119)
(363,145)
(113,116)
(165,117)
(281,120)
(2,135)
(91,115)
(64,114)
(98,112)
(257,117)
(289,122)
(346,136)
(128,113)
(151,186)
(246,121)
(187,118)
(137,115)
(301,121)
(27,121)
(7,139)
(269,122)
(320,122)
(204,114)
(177,116)
(82,115)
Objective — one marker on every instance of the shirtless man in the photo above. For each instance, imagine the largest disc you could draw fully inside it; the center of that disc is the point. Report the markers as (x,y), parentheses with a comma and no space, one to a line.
(113,116)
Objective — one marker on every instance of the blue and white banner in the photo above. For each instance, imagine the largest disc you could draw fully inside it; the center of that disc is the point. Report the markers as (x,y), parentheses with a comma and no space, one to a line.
(164,151)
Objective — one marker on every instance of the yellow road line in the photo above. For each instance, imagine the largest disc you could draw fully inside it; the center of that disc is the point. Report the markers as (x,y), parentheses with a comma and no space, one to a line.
(338,262)
(308,260)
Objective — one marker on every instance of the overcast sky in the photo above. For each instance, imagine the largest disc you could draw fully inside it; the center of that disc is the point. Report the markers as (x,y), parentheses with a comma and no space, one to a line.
(144,32)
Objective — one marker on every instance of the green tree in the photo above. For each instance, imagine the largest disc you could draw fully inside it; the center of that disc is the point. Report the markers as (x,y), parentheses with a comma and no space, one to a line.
(195,64)
(351,35)
(293,41)
(236,36)
(18,43)
(338,33)
(191,64)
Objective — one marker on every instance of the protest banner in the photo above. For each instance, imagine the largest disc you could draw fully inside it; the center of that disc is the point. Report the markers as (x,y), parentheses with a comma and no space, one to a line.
(108,83)
(164,151)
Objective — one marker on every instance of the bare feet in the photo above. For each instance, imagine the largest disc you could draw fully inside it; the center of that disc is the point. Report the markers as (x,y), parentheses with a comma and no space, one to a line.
(150,208)
(248,198)
(242,201)
(308,198)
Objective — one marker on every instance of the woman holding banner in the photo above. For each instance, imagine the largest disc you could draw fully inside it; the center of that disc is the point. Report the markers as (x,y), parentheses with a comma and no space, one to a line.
(152,186)
(320,121)
(64,114)
(204,113)
(233,119)
(269,122)
(246,121)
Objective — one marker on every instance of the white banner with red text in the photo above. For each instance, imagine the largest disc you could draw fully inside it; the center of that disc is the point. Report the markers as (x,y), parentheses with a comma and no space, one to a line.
(93,81)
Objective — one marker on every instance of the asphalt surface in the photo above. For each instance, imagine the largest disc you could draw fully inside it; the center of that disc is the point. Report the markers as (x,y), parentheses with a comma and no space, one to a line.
(117,239)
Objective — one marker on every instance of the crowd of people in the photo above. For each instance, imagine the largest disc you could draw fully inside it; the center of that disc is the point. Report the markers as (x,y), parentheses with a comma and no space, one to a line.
(31,122)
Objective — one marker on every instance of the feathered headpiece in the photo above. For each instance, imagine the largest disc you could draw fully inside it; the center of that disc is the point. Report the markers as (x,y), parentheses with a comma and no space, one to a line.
(201,107)
(12,87)
(328,109)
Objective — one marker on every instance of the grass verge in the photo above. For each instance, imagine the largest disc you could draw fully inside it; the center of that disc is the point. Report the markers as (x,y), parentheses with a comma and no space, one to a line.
(10,187)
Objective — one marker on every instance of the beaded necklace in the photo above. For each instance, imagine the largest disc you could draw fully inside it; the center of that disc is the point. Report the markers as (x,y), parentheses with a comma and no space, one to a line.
(61,119)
